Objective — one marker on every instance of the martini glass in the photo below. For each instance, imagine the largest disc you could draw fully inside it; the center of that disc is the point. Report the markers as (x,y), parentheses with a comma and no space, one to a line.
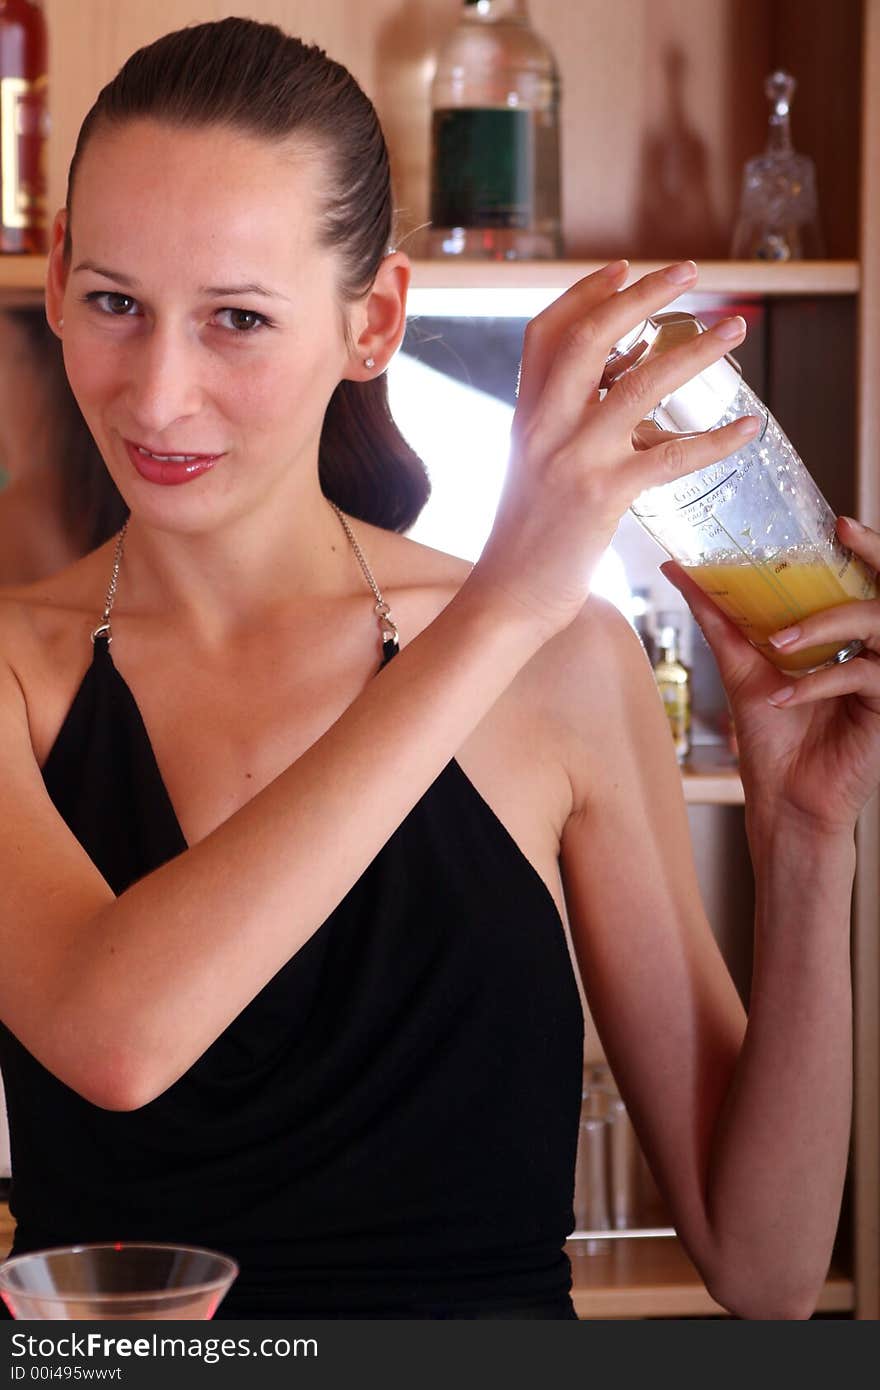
(132,1282)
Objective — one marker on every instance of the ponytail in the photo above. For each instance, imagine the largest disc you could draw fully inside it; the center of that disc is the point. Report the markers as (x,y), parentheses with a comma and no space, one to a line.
(364,464)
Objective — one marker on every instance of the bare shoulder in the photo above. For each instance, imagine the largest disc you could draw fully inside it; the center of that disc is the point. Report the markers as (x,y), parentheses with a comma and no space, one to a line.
(399,562)
(39,622)
(14,626)
(599,652)
(69,589)
(586,681)
(597,681)
(416,580)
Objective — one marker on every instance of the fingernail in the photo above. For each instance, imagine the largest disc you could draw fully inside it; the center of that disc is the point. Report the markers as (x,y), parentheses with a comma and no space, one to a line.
(614,268)
(785,637)
(749,424)
(681,273)
(780,696)
(730,328)
(851,521)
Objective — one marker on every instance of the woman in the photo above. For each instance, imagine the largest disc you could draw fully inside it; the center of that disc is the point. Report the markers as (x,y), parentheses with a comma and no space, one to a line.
(287,976)
(58,501)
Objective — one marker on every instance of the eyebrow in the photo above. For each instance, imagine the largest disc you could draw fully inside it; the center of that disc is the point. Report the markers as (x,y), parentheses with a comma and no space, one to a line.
(213,291)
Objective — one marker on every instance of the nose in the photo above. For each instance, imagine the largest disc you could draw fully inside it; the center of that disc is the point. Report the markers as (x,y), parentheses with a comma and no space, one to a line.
(164,379)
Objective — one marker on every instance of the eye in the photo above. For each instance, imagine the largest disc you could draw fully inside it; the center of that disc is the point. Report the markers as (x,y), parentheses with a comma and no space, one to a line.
(243,320)
(119,305)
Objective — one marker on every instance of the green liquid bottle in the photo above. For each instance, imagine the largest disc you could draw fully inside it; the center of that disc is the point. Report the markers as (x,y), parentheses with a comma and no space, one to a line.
(495,139)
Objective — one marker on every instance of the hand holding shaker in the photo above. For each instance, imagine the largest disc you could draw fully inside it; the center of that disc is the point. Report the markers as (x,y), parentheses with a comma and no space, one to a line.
(753,531)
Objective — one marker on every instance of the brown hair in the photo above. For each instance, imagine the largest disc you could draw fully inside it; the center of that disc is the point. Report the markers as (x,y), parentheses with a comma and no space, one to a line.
(92,509)
(254,78)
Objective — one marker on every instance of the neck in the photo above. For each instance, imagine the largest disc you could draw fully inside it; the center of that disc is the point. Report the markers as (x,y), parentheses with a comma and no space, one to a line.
(216,584)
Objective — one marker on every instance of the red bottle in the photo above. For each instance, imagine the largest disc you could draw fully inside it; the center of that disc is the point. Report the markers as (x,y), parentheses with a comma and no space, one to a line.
(24,126)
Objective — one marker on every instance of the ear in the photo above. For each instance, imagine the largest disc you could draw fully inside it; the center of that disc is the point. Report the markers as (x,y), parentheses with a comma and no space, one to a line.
(56,278)
(378,321)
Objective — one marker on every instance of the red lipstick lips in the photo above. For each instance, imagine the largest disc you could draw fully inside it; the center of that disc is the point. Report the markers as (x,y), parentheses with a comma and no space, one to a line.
(169,470)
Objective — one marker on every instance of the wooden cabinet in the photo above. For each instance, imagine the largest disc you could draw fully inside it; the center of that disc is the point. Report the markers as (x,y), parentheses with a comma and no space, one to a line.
(662,102)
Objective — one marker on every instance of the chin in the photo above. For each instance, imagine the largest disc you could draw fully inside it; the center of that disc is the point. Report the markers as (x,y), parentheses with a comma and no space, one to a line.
(163,510)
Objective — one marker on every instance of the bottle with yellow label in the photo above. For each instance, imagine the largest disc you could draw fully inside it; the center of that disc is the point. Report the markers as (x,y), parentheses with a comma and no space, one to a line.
(24,126)
(674,683)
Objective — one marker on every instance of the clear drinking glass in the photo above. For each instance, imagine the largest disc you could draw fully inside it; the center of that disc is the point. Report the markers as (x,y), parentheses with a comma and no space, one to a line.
(753,530)
(591,1190)
(623,1154)
(131,1282)
(621,1145)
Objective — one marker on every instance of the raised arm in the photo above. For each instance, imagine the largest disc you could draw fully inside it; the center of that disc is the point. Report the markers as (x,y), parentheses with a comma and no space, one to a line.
(810,759)
(118,997)
(745,1122)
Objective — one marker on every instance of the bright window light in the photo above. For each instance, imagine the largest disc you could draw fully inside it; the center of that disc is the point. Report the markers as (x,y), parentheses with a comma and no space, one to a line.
(462,434)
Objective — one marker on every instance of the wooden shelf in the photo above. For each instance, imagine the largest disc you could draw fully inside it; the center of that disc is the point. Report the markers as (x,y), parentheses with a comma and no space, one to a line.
(22,277)
(716,277)
(653,1278)
(710,777)
(477,288)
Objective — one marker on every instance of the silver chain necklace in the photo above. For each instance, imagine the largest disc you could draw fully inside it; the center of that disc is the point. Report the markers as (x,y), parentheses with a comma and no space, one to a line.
(103,628)
(387,625)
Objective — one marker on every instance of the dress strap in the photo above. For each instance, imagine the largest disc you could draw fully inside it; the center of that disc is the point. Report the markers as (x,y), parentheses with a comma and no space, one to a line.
(103,628)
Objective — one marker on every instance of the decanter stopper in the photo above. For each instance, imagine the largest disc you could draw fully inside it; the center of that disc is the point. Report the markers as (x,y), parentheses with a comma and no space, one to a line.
(779,88)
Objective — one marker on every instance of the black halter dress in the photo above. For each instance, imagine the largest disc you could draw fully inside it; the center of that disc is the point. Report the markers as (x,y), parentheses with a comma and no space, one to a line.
(388,1129)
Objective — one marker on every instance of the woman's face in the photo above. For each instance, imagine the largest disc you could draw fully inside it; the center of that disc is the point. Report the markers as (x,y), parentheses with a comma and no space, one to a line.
(201,318)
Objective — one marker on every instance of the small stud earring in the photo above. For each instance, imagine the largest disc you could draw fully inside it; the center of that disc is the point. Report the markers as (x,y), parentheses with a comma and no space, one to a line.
(369,362)
(61,323)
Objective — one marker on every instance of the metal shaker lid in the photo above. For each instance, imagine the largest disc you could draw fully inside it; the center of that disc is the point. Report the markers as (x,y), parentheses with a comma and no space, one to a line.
(656,334)
(696,405)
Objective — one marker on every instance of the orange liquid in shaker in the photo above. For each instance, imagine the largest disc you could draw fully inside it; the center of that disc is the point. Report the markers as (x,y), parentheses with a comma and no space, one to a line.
(762,597)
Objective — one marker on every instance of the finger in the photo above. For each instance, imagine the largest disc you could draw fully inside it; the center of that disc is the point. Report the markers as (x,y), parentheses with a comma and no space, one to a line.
(547,329)
(734,654)
(860,539)
(570,349)
(844,623)
(677,458)
(635,394)
(854,677)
